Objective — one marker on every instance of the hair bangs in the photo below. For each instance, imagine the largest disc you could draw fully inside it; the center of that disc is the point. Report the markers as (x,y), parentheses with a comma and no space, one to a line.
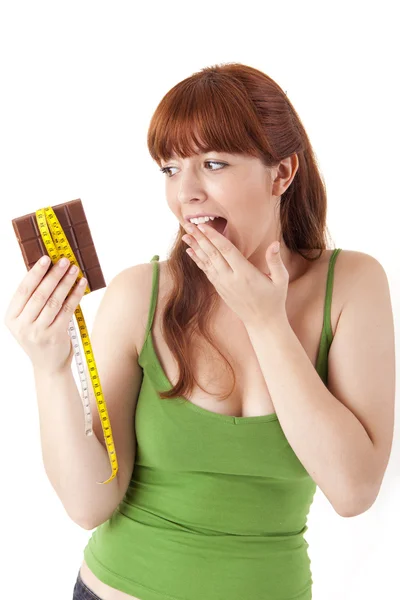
(209,115)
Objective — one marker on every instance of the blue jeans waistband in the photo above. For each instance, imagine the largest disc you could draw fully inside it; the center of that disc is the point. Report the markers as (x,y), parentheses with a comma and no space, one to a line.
(82,592)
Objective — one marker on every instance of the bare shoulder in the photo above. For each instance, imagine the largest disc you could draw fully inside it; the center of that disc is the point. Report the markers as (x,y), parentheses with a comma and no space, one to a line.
(350,259)
(136,286)
(353,269)
(133,298)
(350,275)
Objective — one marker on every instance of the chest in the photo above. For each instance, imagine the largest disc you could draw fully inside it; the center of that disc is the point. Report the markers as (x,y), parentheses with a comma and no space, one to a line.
(214,388)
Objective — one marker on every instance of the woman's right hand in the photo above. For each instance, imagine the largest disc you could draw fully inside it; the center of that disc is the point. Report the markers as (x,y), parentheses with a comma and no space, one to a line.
(39,313)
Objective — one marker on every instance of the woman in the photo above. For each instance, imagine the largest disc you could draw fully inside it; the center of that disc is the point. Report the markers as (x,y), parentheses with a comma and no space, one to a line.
(215,486)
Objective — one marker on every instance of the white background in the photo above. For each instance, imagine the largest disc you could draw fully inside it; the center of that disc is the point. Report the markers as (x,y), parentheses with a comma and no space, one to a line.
(79,83)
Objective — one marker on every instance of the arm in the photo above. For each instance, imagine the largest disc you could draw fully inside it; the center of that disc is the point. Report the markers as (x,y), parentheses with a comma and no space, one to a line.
(343,440)
(73,462)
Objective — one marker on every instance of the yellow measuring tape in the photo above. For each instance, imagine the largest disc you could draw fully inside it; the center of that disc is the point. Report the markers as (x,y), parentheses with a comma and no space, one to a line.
(57,246)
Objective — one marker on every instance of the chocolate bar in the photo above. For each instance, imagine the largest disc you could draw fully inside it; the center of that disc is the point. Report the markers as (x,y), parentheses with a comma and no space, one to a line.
(74,224)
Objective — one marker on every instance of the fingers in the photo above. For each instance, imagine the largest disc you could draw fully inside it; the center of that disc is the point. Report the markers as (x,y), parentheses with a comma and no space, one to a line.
(58,306)
(25,289)
(58,311)
(46,292)
(41,290)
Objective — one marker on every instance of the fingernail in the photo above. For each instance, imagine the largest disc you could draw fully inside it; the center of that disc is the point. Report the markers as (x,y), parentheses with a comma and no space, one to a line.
(63,262)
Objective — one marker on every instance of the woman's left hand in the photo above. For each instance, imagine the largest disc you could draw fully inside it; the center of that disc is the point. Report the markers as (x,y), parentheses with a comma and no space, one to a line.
(255,297)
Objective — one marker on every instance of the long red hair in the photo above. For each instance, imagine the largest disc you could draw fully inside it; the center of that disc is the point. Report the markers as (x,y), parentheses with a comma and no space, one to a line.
(233,108)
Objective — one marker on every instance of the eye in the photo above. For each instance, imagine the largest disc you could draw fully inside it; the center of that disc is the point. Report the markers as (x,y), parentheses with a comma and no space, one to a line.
(207,162)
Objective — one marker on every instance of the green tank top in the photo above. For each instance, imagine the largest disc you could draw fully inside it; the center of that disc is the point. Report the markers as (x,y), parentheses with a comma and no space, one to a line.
(217,505)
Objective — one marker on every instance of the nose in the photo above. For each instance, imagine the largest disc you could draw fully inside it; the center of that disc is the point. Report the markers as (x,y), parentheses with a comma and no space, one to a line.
(190,189)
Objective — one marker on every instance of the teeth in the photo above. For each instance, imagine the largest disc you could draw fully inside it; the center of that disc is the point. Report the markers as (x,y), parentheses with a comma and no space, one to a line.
(202,220)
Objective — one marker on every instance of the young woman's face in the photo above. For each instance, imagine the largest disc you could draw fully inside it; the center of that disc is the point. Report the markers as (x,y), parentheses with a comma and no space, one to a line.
(234,186)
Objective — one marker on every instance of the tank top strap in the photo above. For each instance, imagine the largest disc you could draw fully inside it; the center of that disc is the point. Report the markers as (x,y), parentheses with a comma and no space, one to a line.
(328,296)
(154,293)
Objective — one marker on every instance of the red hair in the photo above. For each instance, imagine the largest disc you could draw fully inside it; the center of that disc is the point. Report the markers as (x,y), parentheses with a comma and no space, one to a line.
(237,109)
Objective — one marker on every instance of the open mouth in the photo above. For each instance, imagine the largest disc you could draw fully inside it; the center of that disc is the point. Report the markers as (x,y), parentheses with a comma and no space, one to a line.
(219,224)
